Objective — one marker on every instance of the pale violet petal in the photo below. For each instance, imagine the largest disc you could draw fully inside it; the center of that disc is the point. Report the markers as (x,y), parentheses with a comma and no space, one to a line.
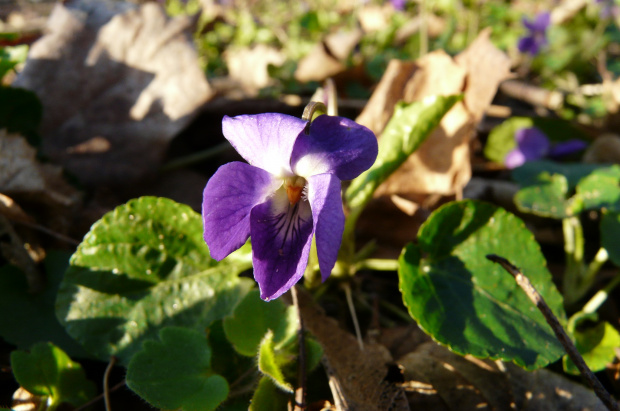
(264,140)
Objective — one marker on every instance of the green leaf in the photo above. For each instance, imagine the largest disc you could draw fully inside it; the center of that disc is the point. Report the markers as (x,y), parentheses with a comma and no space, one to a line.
(409,126)
(610,235)
(142,267)
(47,371)
(267,397)
(314,353)
(470,304)
(11,56)
(32,316)
(502,138)
(20,110)
(270,363)
(596,345)
(600,189)
(547,198)
(175,373)
(547,186)
(252,319)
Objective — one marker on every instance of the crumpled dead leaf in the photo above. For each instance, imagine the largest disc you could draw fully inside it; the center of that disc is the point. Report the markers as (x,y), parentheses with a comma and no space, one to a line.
(258,58)
(438,379)
(21,174)
(358,379)
(122,76)
(328,58)
(442,164)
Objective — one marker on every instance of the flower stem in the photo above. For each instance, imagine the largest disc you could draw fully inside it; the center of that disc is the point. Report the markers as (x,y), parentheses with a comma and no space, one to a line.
(377,264)
(575,267)
(196,157)
(300,392)
(106,378)
(600,297)
(358,333)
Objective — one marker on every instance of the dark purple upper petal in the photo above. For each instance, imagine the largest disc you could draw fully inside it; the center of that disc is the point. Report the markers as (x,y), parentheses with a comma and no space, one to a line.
(281,238)
(566,148)
(540,22)
(326,203)
(227,200)
(334,145)
(264,140)
(532,142)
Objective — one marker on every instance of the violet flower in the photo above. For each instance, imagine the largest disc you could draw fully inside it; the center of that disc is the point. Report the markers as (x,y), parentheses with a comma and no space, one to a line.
(533,144)
(398,4)
(537,34)
(289,192)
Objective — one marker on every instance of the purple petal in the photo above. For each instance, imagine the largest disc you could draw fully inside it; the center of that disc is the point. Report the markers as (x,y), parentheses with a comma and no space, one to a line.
(540,22)
(566,148)
(264,140)
(528,45)
(281,238)
(334,145)
(227,200)
(326,203)
(533,143)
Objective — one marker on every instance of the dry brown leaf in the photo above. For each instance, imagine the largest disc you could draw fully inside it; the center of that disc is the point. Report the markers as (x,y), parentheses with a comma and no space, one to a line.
(21,174)
(327,58)
(357,378)
(258,59)
(442,164)
(115,73)
(12,211)
(434,375)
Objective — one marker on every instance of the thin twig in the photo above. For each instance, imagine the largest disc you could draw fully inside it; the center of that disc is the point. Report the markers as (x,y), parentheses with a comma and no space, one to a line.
(300,392)
(99,397)
(356,324)
(561,335)
(106,388)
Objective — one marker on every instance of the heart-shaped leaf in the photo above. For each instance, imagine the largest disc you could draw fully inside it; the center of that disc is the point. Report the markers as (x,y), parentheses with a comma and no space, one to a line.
(600,189)
(142,267)
(175,372)
(471,304)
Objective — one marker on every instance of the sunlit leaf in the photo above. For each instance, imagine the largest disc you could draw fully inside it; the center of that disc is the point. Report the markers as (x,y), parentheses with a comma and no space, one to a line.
(268,397)
(596,345)
(175,372)
(252,319)
(470,304)
(410,125)
(270,363)
(47,371)
(142,267)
